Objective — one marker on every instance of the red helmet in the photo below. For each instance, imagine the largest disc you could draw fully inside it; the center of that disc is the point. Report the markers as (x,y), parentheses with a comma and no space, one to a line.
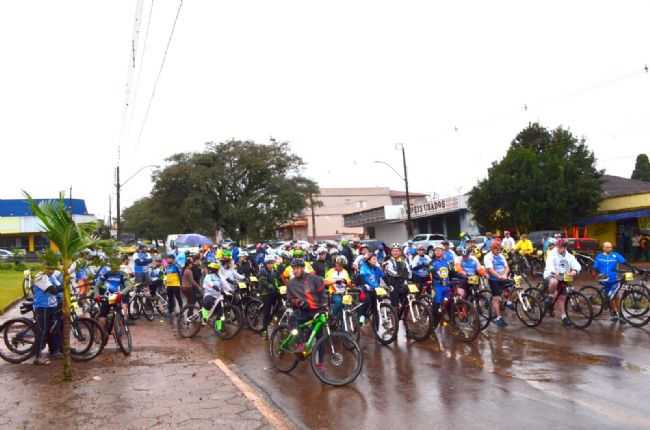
(496,245)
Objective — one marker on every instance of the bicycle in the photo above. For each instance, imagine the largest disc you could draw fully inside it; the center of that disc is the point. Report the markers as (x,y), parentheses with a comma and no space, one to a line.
(19,336)
(279,311)
(529,307)
(481,297)
(347,319)
(226,325)
(459,314)
(383,316)
(415,313)
(28,293)
(634,303)
(110,305)
(577,306)
(335,349)
(140,303)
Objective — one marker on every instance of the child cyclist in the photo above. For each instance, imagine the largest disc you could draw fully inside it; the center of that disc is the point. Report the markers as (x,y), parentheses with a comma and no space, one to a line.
(213,285)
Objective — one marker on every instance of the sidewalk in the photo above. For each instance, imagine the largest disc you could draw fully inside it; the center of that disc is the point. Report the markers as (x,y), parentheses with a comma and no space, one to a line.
(165,383)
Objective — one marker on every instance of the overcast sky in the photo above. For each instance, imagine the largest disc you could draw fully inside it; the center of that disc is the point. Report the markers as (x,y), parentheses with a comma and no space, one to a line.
(342,81)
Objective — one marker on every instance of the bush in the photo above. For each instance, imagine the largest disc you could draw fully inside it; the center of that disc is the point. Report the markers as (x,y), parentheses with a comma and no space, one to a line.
(20,267)
(6,266)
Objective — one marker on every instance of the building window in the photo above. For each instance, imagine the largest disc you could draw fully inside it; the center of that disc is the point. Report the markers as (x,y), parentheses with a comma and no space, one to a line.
(371,232)
(361,204)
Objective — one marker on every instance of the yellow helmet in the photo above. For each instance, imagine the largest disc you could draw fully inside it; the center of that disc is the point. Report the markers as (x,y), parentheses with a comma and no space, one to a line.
(214,266)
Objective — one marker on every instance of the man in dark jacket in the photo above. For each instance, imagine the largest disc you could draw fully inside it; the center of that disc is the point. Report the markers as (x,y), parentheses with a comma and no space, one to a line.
(347,252)
(306,292)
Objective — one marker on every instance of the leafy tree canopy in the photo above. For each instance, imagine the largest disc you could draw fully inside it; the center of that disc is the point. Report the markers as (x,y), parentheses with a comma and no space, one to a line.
(642,168)
(548,179)
(243,188)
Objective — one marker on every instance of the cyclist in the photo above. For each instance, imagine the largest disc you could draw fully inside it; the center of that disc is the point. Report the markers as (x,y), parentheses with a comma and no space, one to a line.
(115,281)
(228,273)
(468,265)
(420,266)
(45,312)
(361,259)
(508,242)
(269,280)
(409,250)
(287,274)
(440,273)
(245,267)
(155,275)
(498,270)
(487,245)
(212,287)
(524,245)
(173,284)
(371,276)
(320,265)
(397,271)
(306,294)
(347,252)
(448,254)
(560,262)
(336,279)
(141,261)
(606,264)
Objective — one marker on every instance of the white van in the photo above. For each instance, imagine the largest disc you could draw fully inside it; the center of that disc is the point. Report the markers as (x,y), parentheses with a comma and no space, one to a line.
(170,243)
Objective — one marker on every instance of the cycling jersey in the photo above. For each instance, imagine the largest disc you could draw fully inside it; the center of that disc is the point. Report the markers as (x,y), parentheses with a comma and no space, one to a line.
(172,276)
(44,297)
(340,279)
(212,285)
(420,265)
(371,275)
(140,262)
(307,292)
(560,264)
(114,281)
(525,246)
(497,263)
(156,274)
(469,266)
(449,256)
(607,264)
(440,274)
(508,243)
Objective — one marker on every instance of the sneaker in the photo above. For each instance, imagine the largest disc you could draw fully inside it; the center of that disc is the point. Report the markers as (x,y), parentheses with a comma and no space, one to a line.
(566,322)
(362,319)
(500,322)
(41,361)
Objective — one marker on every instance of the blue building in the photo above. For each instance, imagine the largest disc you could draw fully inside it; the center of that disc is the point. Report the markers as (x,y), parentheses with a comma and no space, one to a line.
(19,228)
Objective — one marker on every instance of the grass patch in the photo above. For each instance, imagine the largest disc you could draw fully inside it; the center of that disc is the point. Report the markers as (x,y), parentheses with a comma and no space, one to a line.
(11,287)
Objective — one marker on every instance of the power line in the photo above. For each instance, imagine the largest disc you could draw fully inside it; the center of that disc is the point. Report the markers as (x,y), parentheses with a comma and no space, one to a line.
(139,68)
(162,65)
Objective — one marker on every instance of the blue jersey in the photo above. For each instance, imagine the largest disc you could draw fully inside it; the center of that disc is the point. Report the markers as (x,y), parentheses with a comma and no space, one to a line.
(114,281)
(449,256)
(371,275)
(469,265)
(420,265)
(44,299)
(607,264)
(498,263)
(140,262)
(440,271)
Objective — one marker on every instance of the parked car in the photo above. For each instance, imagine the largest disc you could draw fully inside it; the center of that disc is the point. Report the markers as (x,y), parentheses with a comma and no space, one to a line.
(6,255)
(374,244)
(428,240)
(537,237)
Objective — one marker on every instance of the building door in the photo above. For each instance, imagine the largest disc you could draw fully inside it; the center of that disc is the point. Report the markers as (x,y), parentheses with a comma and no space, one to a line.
(453,226)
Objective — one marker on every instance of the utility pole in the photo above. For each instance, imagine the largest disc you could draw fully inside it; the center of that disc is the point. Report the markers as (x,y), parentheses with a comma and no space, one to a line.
(110,216)
(409,226)
(117,192)
(313,217)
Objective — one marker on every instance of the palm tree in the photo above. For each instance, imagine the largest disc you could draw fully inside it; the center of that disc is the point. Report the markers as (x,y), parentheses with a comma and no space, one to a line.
(70,238)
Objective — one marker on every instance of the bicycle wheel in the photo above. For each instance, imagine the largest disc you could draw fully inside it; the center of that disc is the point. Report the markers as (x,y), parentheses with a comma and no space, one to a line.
(282,349)
(483,305)
(418,322)
(122,334)
(349,323)
(18,340)
(385,324)
(232,322)
(97,342)
(147,308)
(595,297)
(189,321)
(635,305)
(537,294)
(464,319)
(254,315)
(81,337)
(134,308)
(336,359)
(529,310)
(578,310)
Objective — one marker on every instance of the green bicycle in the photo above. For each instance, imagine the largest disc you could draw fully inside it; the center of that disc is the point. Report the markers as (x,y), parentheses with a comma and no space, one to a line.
(336,358)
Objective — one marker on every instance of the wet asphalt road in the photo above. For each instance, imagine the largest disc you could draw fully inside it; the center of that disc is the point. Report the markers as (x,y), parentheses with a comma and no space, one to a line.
(510,378)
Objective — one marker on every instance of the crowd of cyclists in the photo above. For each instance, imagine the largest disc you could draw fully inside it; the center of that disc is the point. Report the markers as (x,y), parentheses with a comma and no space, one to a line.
(465,288)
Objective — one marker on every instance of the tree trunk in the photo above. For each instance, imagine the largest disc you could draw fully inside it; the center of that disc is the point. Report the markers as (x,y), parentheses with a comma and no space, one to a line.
(67,303)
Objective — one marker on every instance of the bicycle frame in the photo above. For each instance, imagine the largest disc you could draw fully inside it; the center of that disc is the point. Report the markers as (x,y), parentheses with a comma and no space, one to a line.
(316,324)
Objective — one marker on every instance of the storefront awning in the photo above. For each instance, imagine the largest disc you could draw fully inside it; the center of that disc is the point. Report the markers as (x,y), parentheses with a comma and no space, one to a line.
(598,219)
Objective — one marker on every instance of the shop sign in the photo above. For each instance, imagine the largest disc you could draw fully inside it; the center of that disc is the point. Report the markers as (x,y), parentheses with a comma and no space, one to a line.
(439,206)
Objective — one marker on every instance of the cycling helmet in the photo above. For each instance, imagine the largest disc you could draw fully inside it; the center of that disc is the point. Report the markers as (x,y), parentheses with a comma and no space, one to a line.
(269,259)
(297,262)
(298,253)
(214,267)
(341,260)
(321,250)
(344,242)
(421,247)
(396,246)
(561,243)
(227,254)
(334,251)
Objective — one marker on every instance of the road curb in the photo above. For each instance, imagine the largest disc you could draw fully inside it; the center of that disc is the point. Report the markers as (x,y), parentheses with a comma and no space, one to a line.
(272,415)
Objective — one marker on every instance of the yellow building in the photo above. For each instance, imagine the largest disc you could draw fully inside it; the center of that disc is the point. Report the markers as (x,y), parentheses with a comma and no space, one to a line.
(624,210)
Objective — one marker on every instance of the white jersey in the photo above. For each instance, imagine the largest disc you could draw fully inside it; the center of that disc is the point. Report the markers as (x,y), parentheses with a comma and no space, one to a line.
(508,243)
(230,274)
(212,285)
(561,263)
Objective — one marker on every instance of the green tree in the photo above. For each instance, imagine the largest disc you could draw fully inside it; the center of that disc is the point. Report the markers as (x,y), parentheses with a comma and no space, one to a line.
(245,189)
(641,168)
(547,179)
(70,239)
(143,220)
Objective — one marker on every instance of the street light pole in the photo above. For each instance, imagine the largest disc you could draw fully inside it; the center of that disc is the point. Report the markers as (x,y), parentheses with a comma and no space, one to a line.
(118,187)
(409,225)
